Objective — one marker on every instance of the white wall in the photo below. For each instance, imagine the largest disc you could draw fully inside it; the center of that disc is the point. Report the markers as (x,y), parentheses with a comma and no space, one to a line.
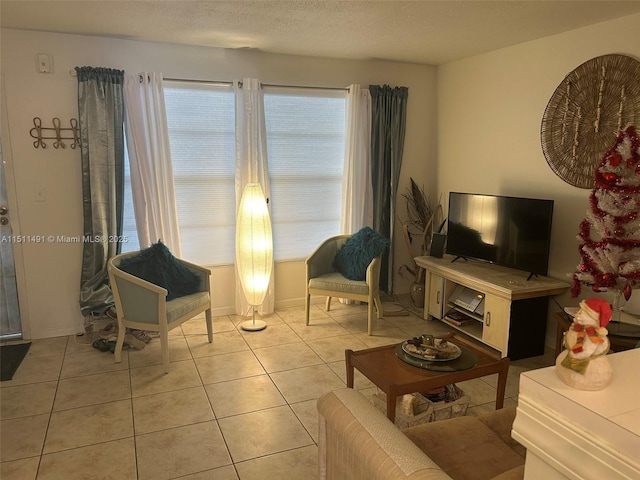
(490,109)
(49,273)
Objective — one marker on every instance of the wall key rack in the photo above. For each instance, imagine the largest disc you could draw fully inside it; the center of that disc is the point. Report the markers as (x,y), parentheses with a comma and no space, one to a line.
(40,133)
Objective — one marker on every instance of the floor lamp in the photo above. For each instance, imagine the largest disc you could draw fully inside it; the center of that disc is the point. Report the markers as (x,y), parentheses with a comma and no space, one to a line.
(254,250)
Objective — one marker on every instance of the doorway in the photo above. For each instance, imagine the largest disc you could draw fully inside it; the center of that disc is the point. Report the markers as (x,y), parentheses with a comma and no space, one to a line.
(10,321)
(10,324)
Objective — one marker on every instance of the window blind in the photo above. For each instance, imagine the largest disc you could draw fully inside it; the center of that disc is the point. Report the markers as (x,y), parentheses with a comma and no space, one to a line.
(200,119)
(305,148)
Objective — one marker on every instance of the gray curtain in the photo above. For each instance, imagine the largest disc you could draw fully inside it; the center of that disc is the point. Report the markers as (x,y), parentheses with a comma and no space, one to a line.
(100,111)
(388,123)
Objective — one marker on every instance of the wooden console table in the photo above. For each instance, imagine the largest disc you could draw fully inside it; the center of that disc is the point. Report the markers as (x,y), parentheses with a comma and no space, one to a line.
(514,318)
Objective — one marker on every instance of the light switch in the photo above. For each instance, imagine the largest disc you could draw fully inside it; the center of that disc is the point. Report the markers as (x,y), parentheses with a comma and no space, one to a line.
(45,63)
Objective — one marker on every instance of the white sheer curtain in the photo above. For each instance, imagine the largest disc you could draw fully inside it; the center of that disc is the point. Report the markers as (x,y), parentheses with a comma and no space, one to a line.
(357,192)
(149,152)
(251,164)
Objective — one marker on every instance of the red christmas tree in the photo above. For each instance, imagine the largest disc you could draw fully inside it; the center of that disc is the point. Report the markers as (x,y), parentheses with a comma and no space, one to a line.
(611,230)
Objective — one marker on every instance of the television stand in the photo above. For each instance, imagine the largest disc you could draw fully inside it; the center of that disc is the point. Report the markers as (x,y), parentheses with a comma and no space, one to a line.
(513,319)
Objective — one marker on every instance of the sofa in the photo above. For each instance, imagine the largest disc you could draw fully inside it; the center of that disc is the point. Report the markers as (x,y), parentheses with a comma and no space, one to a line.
(356,441)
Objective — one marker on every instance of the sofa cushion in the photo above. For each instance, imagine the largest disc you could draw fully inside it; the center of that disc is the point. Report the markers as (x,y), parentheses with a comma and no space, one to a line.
(465,448)
(501,422)
(358,251)
(157,265)
(516,473)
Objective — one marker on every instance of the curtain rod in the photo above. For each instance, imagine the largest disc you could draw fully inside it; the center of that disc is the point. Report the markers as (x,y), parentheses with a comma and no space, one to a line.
(188,80)
(222,82)
(342,89)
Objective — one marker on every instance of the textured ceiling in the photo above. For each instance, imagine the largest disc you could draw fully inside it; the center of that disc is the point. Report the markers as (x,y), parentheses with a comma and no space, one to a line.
(429,32)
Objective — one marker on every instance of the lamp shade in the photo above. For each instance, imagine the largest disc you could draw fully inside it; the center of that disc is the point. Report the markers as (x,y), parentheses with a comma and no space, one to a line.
(254,244)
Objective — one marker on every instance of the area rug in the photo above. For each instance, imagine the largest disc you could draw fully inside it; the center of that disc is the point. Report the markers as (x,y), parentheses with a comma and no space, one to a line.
(11,357)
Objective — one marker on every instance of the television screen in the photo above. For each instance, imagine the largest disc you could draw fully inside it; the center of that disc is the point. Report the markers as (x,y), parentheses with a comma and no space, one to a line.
(509,231)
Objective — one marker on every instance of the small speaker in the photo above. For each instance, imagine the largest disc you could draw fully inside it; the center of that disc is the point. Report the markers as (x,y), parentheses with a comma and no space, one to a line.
(438,241)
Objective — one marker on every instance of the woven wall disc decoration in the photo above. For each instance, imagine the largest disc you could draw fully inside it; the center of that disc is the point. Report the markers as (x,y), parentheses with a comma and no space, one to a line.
(585,114)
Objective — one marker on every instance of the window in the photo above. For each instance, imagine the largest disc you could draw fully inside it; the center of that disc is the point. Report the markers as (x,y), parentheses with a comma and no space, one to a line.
(305,145)
(128,222)
(201,122)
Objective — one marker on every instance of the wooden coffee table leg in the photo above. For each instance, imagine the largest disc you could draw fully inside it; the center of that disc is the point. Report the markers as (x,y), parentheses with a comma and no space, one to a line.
(391,406)
(502,382)
(347,359)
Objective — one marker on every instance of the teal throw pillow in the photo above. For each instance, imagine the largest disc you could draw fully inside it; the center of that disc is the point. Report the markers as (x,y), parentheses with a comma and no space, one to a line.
(157,265)
(358,251)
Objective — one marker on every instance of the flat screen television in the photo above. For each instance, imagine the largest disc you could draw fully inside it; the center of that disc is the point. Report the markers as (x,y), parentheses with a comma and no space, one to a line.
(510,231)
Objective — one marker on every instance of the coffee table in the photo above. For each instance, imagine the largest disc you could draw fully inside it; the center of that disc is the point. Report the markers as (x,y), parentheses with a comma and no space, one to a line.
(395,377)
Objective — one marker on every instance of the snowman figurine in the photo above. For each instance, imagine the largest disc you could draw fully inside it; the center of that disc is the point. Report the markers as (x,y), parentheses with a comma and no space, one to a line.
(584,364)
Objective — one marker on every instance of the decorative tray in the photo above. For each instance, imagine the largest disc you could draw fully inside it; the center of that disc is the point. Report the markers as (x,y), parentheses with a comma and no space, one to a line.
(428,348)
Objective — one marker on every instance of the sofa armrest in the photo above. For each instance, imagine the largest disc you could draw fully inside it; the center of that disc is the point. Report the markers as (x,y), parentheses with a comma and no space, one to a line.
(356,441)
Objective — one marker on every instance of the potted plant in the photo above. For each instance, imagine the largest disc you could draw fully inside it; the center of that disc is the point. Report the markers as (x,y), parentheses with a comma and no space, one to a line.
(418,227)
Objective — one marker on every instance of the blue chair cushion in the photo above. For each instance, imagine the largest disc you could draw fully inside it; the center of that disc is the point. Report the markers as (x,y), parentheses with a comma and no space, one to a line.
(358,251)
(157,265)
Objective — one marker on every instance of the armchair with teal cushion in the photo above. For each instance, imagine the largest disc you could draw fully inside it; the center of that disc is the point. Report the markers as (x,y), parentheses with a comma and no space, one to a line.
(143,305)
(323,278)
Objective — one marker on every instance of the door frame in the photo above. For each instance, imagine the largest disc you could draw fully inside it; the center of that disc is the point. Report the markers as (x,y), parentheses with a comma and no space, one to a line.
(12,200)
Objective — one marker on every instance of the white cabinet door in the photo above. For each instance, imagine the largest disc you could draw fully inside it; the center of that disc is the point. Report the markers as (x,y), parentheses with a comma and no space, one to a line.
(495,330)
(435,306)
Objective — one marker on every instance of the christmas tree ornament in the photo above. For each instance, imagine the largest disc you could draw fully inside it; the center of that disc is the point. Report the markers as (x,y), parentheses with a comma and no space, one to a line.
(610,232)
(583,363)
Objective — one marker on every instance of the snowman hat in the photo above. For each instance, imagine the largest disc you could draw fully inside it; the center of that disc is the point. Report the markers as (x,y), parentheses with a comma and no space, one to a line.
(598,309)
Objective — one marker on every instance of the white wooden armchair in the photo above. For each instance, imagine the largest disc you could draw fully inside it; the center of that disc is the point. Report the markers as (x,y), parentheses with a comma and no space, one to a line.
(322,278)
(143,305)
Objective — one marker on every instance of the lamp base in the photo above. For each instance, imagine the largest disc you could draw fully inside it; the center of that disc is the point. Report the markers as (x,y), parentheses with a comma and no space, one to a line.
(253,325)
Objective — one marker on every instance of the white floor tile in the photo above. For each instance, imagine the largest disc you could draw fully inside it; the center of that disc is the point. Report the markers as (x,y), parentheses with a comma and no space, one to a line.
(240,408)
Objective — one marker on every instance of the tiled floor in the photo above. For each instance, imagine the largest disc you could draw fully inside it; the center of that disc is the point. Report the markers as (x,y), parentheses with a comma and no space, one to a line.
(243,407)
